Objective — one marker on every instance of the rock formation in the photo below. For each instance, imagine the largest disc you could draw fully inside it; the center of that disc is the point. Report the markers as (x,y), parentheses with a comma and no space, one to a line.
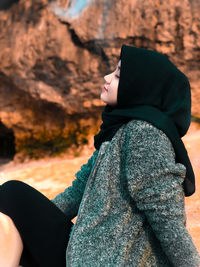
(54,55)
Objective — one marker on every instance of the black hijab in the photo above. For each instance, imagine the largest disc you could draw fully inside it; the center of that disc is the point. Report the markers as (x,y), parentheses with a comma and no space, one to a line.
(151,88)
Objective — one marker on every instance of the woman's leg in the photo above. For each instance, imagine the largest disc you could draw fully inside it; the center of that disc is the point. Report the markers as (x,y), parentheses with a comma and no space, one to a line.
(11,245)
(44,229)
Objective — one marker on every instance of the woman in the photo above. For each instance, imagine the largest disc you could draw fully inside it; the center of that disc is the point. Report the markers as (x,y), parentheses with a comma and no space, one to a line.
(129,197)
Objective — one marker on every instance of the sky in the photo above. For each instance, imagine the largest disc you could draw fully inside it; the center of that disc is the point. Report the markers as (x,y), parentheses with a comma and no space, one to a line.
(74,9)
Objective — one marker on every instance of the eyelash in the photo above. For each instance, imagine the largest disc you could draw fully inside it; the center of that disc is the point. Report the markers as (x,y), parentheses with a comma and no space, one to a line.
(117,76)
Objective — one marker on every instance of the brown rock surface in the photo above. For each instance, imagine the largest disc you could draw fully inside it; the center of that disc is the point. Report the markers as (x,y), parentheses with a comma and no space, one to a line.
(54,54)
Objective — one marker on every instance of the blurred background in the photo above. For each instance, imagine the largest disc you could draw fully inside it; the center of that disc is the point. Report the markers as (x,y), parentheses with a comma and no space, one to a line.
(53,56)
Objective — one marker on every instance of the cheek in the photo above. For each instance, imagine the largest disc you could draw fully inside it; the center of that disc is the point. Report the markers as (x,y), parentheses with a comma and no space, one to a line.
(113,88)
(117,85)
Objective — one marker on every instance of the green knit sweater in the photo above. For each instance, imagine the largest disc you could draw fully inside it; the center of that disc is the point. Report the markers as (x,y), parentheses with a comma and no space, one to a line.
(130,204)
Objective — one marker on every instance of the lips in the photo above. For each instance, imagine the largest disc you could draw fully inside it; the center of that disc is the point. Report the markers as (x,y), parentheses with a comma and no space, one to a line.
(105,89)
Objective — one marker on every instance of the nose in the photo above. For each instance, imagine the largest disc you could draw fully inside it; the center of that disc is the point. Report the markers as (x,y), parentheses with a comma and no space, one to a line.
(108,78)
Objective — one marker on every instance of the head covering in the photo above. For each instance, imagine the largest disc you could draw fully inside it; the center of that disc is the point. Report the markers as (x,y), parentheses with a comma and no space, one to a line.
(153,89)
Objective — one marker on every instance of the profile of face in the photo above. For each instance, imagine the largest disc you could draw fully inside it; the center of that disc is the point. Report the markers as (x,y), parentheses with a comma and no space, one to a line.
(110,89)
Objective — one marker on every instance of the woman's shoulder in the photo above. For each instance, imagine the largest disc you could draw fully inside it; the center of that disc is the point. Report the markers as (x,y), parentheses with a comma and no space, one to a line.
(138,124)
(140,130)
(146,128)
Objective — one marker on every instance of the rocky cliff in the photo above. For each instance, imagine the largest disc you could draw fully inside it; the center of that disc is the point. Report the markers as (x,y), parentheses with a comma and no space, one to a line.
(54,55)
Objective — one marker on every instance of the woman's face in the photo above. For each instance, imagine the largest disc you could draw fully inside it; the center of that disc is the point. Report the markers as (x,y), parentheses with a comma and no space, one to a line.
(110,89)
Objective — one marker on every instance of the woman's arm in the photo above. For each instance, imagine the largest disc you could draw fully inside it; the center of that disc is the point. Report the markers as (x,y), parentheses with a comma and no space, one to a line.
(155,184)
(69,200)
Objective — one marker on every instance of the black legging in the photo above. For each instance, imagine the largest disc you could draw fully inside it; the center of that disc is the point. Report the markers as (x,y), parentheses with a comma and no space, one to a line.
(44,229)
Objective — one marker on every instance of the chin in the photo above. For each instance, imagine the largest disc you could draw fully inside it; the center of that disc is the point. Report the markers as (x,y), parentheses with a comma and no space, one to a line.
(102,99)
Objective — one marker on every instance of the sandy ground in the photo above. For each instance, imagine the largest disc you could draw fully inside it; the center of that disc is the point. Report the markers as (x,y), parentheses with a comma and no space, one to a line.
(52,176)
(192,143)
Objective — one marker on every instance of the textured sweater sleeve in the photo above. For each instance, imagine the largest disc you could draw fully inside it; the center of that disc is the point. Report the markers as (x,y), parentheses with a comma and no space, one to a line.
(155,184)
(69,200)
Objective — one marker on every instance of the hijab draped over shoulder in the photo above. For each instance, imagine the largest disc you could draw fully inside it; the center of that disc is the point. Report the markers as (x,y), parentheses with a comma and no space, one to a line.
(153,89)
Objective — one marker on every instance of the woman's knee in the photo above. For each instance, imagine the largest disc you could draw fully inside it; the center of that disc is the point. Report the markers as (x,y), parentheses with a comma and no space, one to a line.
(10,195)
(12,185)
